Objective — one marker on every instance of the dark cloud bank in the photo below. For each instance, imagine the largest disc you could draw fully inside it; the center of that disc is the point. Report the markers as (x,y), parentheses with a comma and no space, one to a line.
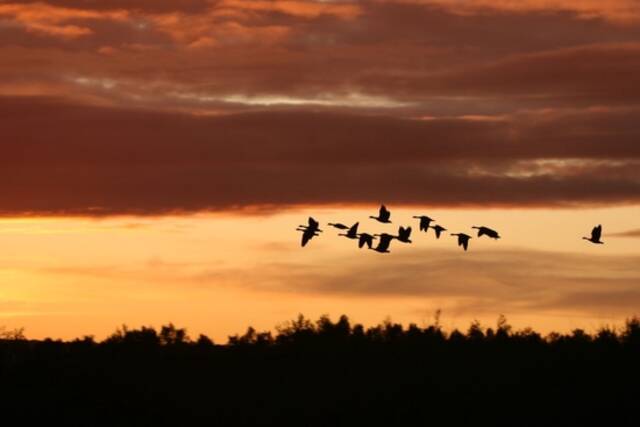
(61,158)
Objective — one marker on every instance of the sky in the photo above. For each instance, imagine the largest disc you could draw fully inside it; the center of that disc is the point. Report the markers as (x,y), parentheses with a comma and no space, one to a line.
(157,157)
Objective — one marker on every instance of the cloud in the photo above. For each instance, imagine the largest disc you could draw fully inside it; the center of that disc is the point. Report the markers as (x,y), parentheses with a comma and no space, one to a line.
(61,158)
(628,233)
(515,280)
(54,21)
(150,107)
(624,12)
(191,55)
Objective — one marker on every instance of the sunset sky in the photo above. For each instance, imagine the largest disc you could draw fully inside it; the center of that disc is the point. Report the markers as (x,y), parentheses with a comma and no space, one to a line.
(158,155)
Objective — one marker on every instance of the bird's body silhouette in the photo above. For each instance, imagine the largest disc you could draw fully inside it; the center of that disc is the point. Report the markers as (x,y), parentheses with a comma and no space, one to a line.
(365,239)
(424,222)
(486,231)
(438,230)
(404,235)
(383,245)
(383,216)
(463,239)
(309,231)
(596,233)
(352,233)
(338,225)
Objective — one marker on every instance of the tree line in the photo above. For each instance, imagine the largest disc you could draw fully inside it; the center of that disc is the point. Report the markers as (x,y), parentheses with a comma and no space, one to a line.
(325,372)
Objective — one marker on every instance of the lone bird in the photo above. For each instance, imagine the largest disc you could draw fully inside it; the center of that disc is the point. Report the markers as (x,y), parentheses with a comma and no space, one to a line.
(309,231)
(424,222)
(352,233)
(404,234)
(383,245)
(383,215)
(338,225)
(463,239)
(596,233)
(486,231)
(365,239)
(438,229)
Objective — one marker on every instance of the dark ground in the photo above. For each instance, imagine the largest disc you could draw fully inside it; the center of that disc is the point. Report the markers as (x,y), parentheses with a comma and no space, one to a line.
(326,374)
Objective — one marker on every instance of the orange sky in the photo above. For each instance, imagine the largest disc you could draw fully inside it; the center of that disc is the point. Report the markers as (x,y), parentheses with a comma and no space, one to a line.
(157,156)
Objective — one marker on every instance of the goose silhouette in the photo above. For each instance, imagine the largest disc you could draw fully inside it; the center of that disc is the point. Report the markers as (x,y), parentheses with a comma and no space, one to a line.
(404,234)
(338,225)
(438,230)
(383,215)
(352,233)
(383,245)
(463,239)
(424,222)
(596,233)
(486,231)
(365,239)
(309,231)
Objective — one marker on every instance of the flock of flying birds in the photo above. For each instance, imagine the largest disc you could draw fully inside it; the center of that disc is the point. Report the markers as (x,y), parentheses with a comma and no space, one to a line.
(404,233)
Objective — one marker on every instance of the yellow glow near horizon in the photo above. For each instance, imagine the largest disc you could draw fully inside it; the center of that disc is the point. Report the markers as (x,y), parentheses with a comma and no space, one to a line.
(219,273)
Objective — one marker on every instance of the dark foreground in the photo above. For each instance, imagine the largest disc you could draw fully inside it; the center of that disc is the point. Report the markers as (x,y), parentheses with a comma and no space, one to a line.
(326,374)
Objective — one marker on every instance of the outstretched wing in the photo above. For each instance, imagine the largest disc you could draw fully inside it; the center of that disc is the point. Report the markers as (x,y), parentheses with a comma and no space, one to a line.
(465,243)
(313,223)
(482,231)
(307,235)
(385,241)
(353,231)
(384,213)
(596,233)
(365,239)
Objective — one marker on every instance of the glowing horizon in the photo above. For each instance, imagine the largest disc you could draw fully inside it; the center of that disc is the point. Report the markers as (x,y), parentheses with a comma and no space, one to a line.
(157,156)
(205,272)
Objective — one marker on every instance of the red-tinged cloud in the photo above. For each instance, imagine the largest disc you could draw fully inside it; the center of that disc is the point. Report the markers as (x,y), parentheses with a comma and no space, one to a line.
(55,21)
(216,104)
(61,158)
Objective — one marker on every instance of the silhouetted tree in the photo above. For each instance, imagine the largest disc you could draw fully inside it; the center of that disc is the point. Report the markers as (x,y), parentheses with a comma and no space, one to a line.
(325,373)
(503,328)
(16,334)
(475,333)
(170,335)
(631,333)
(145,336)
(204,341)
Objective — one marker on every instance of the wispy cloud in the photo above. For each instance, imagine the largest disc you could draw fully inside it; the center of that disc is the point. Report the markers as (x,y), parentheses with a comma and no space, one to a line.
(522,281)
(628,233)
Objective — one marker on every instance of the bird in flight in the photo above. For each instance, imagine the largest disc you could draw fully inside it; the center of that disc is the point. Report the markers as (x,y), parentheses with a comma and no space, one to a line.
(365,239)
(383,245)
(463,239)
(352,233)
(404,234)
(383,215)
(338,225)
(309,231)
(438,229)
(596,233)
(424,222)
(486,231)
